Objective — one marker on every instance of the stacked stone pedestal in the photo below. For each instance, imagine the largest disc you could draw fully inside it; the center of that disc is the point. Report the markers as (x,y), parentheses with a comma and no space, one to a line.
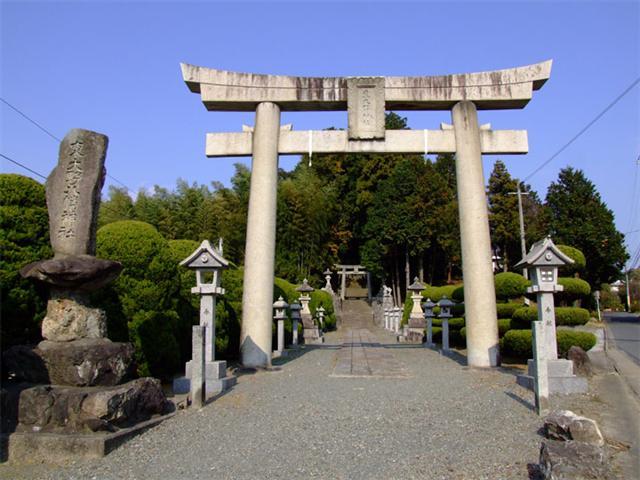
(415,330)
(311,333)
(85,400)
(562,380)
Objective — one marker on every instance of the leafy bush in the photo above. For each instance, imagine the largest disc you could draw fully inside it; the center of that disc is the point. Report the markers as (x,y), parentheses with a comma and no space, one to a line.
(504,325)
(568,316)
(436,293)
(24,238)
(144,298)
(458,294)
(510,285)
(505,310)
(568,338)
(580,262)
(518,343)
(573,289)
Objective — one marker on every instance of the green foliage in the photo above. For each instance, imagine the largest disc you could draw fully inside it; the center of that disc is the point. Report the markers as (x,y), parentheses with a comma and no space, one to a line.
(437,293)
(518,343)
(609,300)
(24,238)
(145,296)
(568,316)
(510,285)
(579,217)
(504,325)
(573,289)
(569,338)
(506,310)
(458,294)
(580,262)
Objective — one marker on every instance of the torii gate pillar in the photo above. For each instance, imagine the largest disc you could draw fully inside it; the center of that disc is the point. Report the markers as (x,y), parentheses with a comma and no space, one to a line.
(475,240)
(257,289)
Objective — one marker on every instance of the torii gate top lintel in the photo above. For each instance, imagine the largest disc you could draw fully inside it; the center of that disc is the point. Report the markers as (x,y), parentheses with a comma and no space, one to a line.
(234,91)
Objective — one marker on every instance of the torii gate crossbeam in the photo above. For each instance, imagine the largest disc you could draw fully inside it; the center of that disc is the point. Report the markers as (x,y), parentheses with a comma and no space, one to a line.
(365,99)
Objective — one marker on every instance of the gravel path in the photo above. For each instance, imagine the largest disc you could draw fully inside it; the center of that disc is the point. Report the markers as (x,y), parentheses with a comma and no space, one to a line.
(435,419)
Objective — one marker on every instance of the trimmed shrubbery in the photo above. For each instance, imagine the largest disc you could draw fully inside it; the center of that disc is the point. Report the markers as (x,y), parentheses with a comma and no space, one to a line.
(580,262)
(510,285)
(24,238)
(568,316)
(573,289)
(506,310)
(518,343)
(141,303)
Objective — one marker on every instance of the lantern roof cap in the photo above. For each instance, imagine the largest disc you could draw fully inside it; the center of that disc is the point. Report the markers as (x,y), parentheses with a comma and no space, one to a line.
(295,306)
(205,257)
(280,303)
(544,253)
(445,302)
(428,304)
(416,285)
(305,287)
(320,309)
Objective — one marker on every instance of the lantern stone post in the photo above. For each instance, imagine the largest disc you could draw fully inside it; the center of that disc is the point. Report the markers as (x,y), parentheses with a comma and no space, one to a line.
(280,315)
(295,308)
(397,313)
(327,277)
(208,264)
(542,263)
(415,333)
(311,333)
(428,315)
(320,313)
(445,314)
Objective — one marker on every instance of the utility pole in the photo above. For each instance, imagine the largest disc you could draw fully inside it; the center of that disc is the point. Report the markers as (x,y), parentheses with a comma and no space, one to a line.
(523,243)
(626,284)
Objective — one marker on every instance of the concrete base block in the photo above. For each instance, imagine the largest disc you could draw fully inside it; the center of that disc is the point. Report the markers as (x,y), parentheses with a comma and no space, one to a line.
(216,379)
(429,345)
(556,368)
(312,336)
(557,385)
(28,447)
(314,341)
(278,354)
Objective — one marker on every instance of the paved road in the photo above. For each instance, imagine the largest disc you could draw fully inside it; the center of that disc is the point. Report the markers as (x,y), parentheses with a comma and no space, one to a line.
(625,329)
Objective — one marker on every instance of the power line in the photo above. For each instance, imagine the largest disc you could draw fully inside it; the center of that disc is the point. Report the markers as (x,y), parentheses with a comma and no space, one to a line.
(584,129)
(23,166)
(102,205)
(27,117)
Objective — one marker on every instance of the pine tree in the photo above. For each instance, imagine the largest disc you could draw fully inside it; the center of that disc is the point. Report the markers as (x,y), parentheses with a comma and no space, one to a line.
(578,217)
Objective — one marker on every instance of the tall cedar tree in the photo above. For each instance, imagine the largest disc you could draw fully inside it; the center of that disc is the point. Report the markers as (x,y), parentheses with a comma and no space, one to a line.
(578,217)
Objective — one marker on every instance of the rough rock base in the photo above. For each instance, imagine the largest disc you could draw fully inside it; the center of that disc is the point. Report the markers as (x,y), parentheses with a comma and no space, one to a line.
(87,362)
(29,447)
(58,409)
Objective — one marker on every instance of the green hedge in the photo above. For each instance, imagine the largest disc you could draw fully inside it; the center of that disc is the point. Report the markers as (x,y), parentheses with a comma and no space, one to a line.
(580,262)
(504,325)
(573,289)
(141,303)
(436,293)
(506,310)
(518,343)
(24,238)
(568,316)
(510,285)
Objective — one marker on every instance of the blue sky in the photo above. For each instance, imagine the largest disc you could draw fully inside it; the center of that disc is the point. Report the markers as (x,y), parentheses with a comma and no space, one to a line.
(113,67)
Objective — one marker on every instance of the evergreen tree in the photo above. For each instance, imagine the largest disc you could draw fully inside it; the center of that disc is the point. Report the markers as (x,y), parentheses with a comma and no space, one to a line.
(578,217)
(503,214)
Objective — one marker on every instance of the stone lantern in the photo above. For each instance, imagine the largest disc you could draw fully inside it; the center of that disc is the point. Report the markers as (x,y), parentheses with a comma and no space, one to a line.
(415,332)
(396,313)
(542,263)
(320,313)
(327,277)
(445,314)
(311,333)
(428,307)
(280,307)
(208,264)
(295,308)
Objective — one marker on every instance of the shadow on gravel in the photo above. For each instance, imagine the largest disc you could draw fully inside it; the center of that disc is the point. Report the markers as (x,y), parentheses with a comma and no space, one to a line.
(520,400)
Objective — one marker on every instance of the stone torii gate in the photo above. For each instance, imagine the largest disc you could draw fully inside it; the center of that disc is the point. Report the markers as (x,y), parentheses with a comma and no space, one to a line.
(366,99)
(344,270)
